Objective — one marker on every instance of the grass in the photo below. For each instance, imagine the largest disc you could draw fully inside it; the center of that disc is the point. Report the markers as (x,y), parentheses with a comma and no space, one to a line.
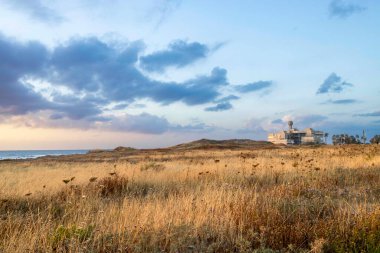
(323,199)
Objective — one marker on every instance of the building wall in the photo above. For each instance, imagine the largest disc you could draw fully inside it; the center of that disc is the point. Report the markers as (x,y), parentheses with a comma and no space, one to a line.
(308,136)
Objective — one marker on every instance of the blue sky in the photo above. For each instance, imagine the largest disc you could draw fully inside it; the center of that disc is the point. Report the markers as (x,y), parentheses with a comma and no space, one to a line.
(98,74)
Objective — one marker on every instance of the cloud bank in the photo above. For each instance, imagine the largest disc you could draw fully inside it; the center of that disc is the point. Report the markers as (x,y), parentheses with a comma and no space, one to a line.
(83,77)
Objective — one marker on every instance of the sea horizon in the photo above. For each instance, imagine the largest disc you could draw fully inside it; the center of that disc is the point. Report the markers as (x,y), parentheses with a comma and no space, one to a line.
(30,154)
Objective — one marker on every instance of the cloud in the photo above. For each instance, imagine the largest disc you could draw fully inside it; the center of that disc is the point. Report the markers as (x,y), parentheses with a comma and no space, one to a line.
(178,54)
(370,114)
(121,106)
(333,84)
(90,65)
(227,99)
(277,121)
(146,123)
(17,61)
(163,9)
(219,107)
(301,121)
(56,116)
(36,10)
(199,90)
(255,127)
(252,87)
(305,121)
(84,64)
(84,77)
(87,107)
(343,9)
(193,128)
(342,101)
(138,106)
(142,123)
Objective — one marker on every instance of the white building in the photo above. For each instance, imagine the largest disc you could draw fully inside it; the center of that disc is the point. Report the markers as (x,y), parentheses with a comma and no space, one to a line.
(296,137)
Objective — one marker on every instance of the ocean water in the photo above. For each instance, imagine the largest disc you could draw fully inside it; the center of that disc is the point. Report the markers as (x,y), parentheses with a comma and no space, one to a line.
(25,154)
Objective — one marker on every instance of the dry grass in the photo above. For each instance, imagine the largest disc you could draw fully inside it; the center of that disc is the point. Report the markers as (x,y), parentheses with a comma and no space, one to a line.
(322,199)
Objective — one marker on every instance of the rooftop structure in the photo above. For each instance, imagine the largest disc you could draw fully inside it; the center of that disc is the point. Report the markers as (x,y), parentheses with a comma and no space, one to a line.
(297,137)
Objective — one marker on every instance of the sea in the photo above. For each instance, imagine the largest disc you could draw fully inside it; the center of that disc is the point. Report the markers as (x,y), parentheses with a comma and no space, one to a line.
(27,154)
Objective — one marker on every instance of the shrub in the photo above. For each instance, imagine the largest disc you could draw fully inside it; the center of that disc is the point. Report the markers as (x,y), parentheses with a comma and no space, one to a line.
(62,235)
(112,186)
(153,166)
(375,139)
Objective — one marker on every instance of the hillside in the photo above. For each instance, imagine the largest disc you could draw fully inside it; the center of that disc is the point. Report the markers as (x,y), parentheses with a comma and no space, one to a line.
(127,152)
(223,144)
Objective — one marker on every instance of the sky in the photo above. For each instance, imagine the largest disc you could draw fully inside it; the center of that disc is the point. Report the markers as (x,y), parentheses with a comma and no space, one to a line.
(86,74)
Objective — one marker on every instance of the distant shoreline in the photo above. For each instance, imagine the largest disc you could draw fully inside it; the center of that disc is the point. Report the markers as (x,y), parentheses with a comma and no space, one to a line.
(32,154)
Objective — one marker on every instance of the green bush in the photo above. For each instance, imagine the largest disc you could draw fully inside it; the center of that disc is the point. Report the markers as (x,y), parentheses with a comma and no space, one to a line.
(64,234)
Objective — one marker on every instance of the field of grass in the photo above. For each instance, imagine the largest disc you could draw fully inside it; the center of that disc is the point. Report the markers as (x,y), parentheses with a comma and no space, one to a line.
(309,199)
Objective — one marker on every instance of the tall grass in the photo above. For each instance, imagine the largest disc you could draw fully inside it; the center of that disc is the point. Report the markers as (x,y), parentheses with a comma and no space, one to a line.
(288,200)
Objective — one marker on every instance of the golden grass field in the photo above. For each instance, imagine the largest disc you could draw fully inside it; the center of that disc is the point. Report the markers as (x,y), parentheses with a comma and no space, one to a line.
(305,199)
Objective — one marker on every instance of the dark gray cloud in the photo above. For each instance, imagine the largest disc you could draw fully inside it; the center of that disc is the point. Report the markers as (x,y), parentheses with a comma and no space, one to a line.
(344,9)
(87,107)
(86,76)
(36,10)
(370,114)
(219,107)
(95,76)
(90,65)
(17,61)
(179,54)
(252,87)
(333,84)
(199,90)
(85,64)
(342,101)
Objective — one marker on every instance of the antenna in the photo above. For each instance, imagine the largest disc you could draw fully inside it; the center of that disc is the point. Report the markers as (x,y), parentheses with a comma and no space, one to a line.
(290,124)
(364,137)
